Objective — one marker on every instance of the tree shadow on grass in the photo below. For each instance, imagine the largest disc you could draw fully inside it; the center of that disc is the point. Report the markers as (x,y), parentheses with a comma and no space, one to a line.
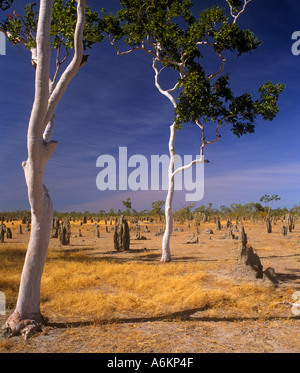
(179,316)
(279,256)
(145,255)
(127,256)
(71,250)
(286,277)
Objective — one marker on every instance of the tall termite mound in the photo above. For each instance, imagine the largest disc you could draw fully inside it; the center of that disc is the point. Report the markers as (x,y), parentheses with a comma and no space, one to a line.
(121,234)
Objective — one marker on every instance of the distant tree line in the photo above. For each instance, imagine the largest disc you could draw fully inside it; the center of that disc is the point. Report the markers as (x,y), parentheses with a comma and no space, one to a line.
(251,210)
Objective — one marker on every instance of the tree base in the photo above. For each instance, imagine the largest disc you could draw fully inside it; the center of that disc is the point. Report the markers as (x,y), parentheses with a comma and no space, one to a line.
(16,325)
(165,259)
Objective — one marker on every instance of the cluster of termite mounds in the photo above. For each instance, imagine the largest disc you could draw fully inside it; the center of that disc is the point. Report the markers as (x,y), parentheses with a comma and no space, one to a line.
(121,231)
(288,224)
(121,237)
(247,264)
(6,232)
(61,229)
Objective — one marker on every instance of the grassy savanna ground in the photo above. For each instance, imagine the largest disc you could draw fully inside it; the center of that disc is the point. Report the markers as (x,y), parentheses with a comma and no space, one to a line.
(99,300)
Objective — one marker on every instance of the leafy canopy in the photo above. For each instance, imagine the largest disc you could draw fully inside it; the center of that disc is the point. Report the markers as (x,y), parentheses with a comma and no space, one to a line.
(170,32)
(266,198)
(157,208)
(23,28)
(203,100)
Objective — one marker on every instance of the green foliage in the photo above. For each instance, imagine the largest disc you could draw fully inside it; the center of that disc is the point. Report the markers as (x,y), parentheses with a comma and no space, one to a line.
(231,37)
(64,22)
(109,24)
(30,23)
(266,198)
(258,207)
(169,32)
(5,4)
(14,26)
(127,204)
(185,212)
(235,4)
(213,26)
(204,100)
(295,209)
(153,19)
(157,208)
(267,106)
(63,25)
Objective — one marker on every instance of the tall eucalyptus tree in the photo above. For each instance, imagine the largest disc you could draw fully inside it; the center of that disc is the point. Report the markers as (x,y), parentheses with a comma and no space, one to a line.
(60,26)
(174,38)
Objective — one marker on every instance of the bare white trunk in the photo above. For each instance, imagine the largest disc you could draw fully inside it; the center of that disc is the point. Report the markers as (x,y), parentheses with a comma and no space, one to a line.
(29,293)
(26,315)
(166,251)
(27,308)
(27,312)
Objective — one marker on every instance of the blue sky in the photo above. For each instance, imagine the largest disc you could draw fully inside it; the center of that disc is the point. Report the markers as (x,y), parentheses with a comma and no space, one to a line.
(112,102)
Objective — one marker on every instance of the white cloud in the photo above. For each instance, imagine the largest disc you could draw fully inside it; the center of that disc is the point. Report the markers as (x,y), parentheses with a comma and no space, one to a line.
(284,176)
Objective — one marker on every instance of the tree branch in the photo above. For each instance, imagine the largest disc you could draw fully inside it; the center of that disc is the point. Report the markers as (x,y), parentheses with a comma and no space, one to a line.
(223,59)
(202,146)
(158,86)
(42,74)
(119,53)
(49,130)
(183,168)
(21,40)
(74,65)
(199,160)
(235,17)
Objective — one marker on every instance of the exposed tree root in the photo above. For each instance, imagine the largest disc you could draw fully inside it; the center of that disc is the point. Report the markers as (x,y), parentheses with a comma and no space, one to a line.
(16,325)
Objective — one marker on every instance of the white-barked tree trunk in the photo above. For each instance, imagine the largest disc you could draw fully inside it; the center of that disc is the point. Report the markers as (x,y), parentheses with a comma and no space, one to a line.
(27,312)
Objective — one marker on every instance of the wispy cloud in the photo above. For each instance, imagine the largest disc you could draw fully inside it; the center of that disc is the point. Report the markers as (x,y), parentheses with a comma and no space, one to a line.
(285,176)
(248,184)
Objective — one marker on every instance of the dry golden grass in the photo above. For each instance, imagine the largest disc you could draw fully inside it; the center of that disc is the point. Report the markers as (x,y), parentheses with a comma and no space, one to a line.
(78,287)
(11,263)
(132,303)
(81,287)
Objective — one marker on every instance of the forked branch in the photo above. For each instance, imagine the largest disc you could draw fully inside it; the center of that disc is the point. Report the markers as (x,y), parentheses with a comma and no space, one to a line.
(42,74)
(235,17)
(74,65)
(168,92)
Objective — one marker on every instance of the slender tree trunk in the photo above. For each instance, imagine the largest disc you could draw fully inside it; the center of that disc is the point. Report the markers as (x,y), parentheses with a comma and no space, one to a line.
(27,308)
(166,252)
(26,315)
(29,293)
